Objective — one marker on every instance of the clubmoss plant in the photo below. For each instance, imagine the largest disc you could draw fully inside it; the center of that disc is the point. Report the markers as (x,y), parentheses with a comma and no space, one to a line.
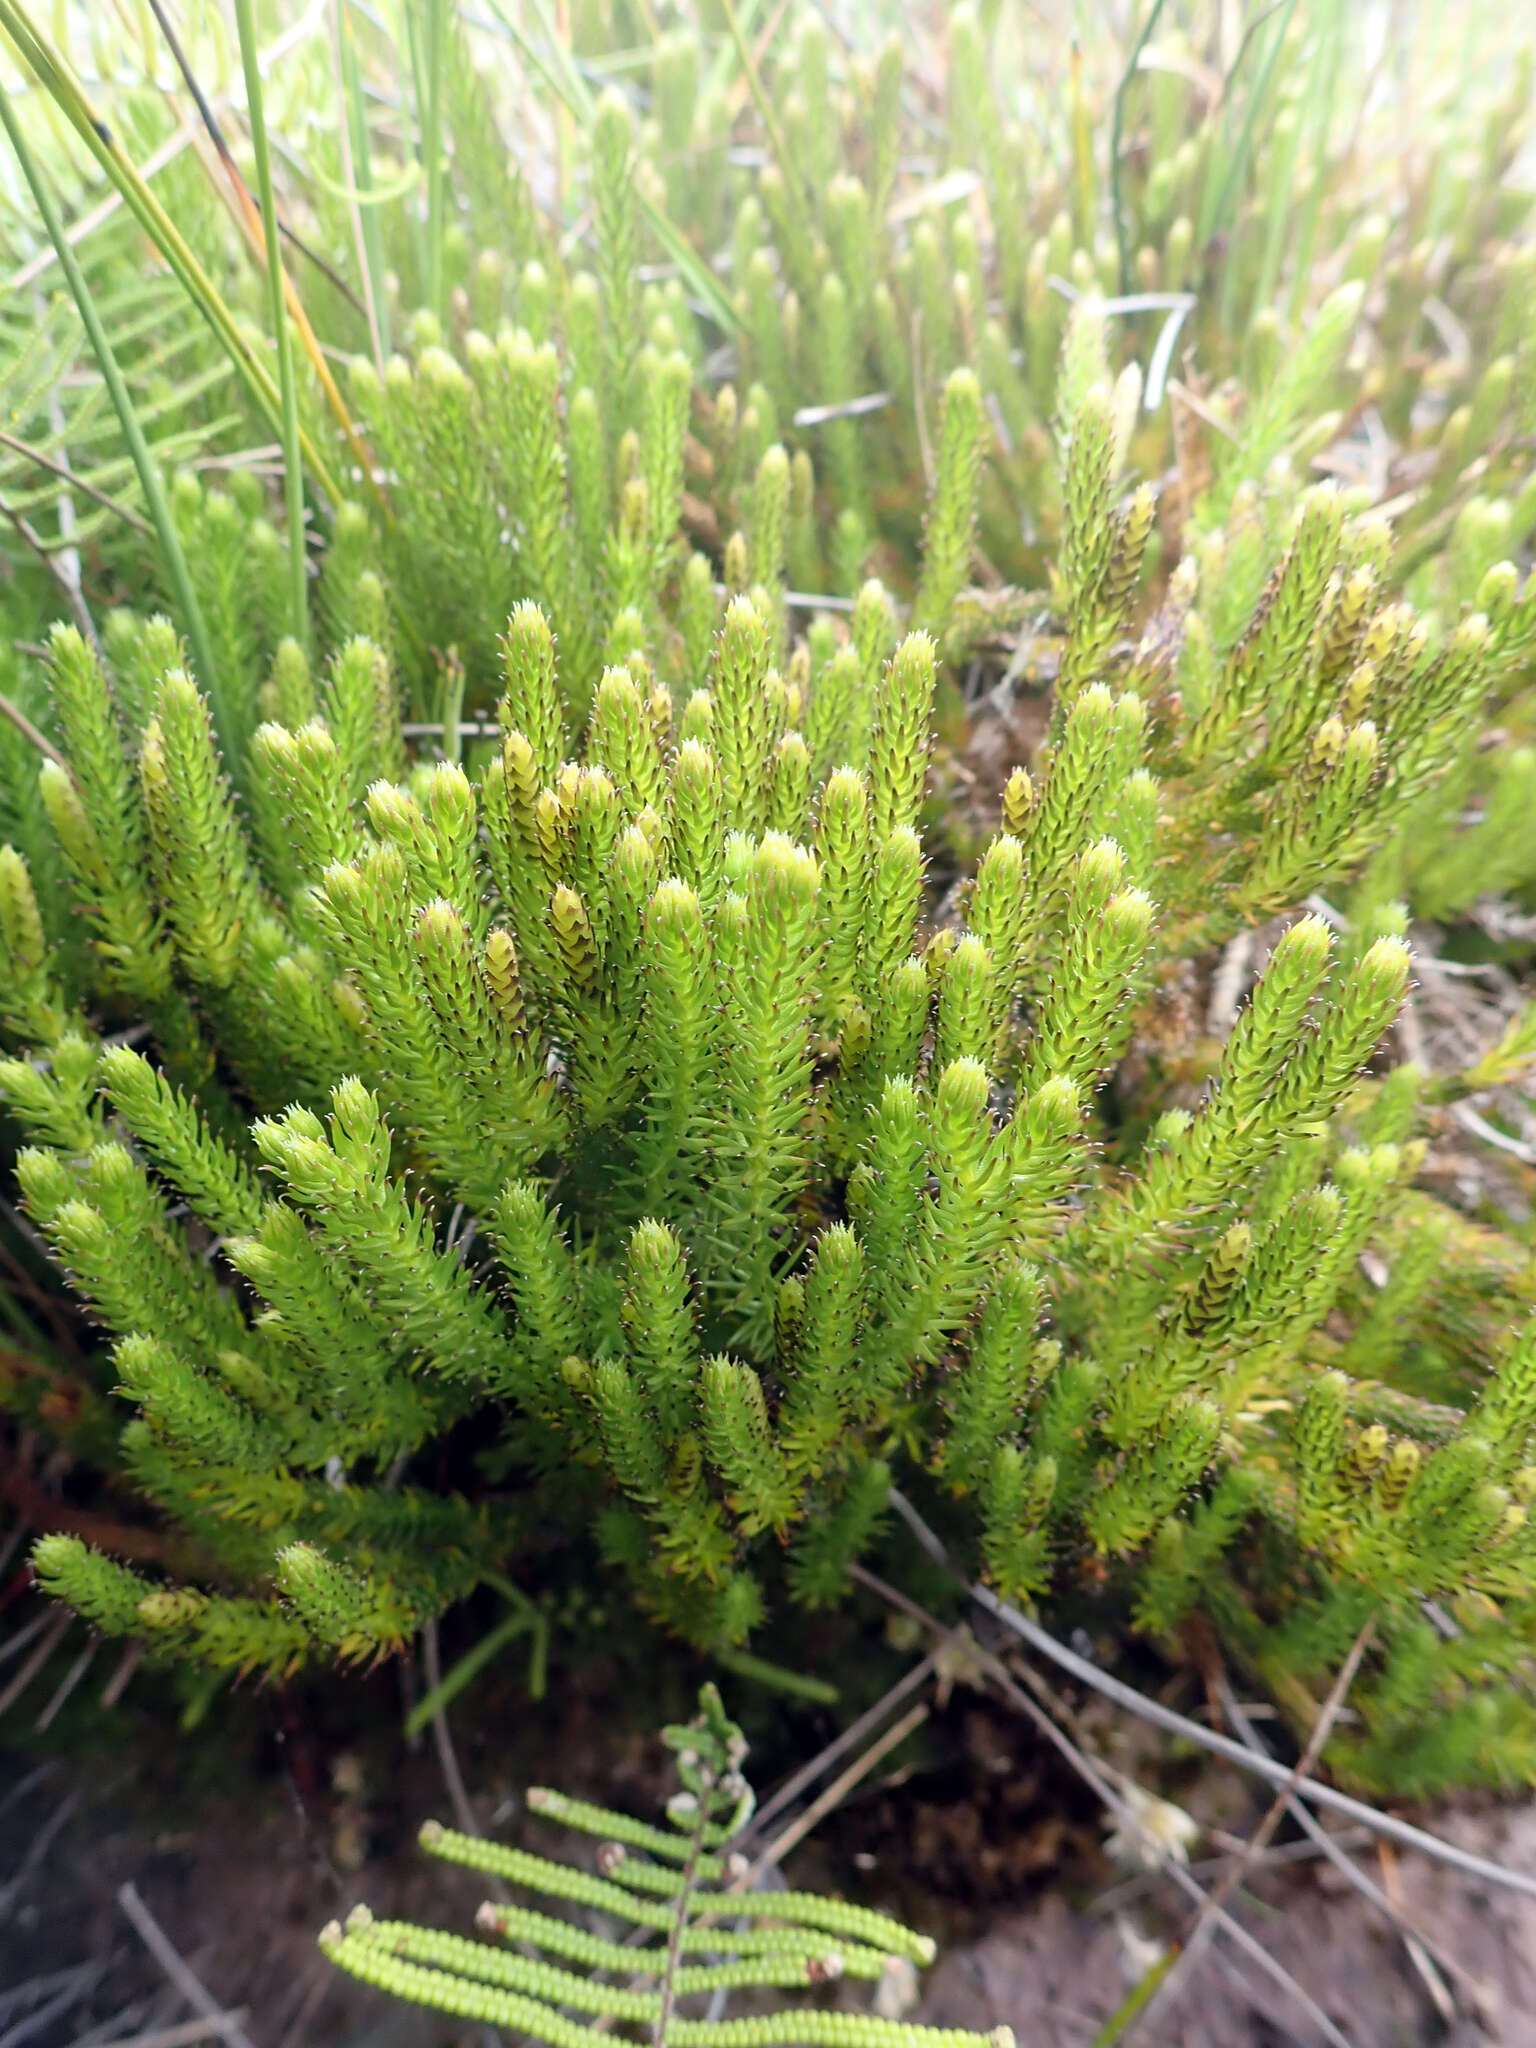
(680,1893)
(584,1058)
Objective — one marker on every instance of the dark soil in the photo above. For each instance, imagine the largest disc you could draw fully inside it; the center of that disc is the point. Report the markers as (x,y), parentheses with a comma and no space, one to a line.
(243,1840)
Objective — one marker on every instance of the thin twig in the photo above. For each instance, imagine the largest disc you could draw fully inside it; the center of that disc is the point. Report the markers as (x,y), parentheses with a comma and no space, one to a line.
(69,558)
(252,220)
(1094,1777)
(33,1990)
(216,137)
(929,197)
(1162,356)
(67,1684)
(82,229)
(116,2026)
(47,1513)
(469,729)
(1234,973)
(850,1738)
(158,2010)
(309,2004)
(191,1987)
(442,1735)
(183,2034)
(29,1784)
(1439,1991)
(447,1756)
(834,1794)
(37,1848)
(79,483)
(1207,1738)
(117,1684)
(41,2021)
(27,1633)
(681,1900)
(1129,1888)
(1201,410)
(349,178)
(1334,1850)
(1479,1126)
(797,600)
(1237,1870)
(843,409)
(74,596)
(57,1628)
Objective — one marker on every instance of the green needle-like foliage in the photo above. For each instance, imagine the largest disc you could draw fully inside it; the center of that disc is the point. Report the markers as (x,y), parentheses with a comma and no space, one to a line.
(672,1888)
(830,898)
(822,1161)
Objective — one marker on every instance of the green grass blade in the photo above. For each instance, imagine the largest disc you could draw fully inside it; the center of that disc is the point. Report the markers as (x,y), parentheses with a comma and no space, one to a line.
(293,461)
(554,62)
(1217,198)
(1321,102)
(799,1685)
(1231,192)
(724,66)
(1117,197)
(1136,2001)
(101,141)
(133,433)
(432,151)
(366,224)
(793,183)
(553,65)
